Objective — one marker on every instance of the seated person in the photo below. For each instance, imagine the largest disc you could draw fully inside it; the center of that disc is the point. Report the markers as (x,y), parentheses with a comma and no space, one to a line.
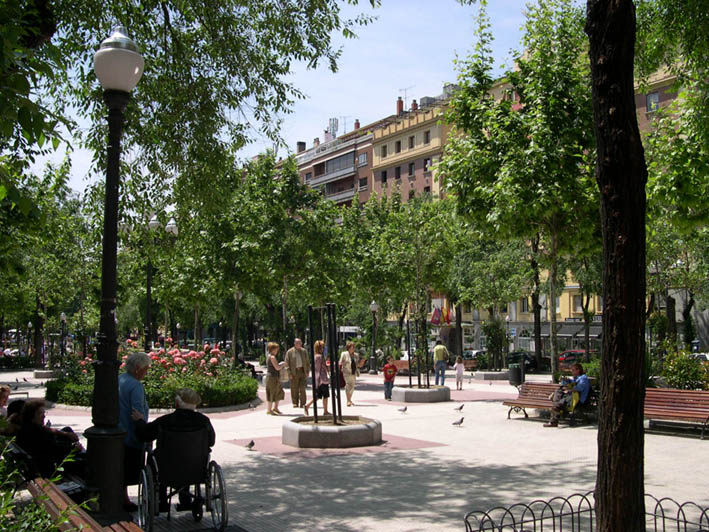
(14,420)
(48,448)
(563,397)
(184,418)
(4,396)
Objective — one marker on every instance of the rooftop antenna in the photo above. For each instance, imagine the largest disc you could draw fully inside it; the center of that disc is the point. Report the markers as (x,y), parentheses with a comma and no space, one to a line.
(406,90)
(344,122)
(333,125)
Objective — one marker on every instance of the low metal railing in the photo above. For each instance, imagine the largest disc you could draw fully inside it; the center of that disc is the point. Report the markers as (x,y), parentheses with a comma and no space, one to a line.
(577,513)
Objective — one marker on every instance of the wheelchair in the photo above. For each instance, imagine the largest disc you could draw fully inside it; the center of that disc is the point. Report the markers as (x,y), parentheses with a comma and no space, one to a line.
(182,463)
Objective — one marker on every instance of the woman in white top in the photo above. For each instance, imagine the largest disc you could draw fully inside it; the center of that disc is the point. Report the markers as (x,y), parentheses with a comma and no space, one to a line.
(349,365)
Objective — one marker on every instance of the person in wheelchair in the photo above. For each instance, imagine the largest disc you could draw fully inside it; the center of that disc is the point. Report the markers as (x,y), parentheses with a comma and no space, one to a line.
(563,398)
(185,418)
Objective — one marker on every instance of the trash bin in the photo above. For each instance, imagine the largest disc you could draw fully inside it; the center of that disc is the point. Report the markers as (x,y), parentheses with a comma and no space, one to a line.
(514,373)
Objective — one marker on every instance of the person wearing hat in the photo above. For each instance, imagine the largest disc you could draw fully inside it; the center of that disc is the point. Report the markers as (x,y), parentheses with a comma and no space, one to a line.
(184,418)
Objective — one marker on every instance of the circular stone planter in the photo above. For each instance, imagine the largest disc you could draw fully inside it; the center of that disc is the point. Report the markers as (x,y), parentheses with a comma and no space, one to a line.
(434,394)
(300,432)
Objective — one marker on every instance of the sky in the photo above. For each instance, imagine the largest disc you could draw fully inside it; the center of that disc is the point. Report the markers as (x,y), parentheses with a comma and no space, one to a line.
(408,51)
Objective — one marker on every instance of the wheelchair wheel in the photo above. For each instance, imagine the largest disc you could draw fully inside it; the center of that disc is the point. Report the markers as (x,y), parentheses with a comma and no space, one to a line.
(146,500)
(217,502)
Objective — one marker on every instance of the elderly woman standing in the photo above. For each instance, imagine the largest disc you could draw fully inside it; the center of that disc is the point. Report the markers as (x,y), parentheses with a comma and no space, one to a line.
(322,378)
(131,395)
(274,388)
(349,365)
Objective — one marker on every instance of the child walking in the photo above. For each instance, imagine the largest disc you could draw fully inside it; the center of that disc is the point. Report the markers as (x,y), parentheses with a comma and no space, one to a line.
(459,368)
(389,374)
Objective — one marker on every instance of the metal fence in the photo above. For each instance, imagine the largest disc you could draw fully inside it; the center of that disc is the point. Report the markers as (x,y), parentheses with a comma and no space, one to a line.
(576,513)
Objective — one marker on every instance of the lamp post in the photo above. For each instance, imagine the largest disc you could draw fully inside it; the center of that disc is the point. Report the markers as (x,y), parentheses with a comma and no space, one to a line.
(118,66)
(235,334)
(177,326)
(62,347)
(29,336)
(373,359)
(153,224)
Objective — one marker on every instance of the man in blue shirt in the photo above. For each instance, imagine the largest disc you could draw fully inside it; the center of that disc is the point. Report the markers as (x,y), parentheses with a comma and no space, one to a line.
(563,397)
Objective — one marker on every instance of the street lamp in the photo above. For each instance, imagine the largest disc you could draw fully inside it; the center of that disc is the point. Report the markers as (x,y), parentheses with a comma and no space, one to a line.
(29,336)
(373,359)
(153,225)
(177,326)
(235,334)
(118,66)
(62,347)
(220,336)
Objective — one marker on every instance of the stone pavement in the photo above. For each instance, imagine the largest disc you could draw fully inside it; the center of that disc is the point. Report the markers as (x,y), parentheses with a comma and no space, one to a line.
(426,476)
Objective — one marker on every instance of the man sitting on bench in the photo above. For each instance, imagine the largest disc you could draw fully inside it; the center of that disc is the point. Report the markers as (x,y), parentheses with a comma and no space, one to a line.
(563,397)
(184,418)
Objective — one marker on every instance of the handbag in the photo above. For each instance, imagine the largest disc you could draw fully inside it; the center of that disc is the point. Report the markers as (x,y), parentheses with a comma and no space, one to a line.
(342,380)
(284,374)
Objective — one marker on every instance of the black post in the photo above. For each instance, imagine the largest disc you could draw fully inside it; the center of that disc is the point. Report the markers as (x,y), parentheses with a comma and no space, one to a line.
(373,358)
(418,353)
(105,437)
(336,348)
(334,383)
(425,350)
(408,350)
(148,309)
(62,349)
(311,347)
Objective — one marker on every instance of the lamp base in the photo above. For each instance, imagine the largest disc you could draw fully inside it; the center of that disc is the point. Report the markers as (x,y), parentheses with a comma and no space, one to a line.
(105,459)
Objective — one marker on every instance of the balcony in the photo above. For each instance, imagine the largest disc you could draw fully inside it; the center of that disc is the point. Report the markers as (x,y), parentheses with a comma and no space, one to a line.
(341,196)
(332,176)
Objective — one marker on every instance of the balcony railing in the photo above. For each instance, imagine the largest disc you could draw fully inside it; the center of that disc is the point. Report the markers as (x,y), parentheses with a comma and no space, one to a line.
(332,176)
(343,195)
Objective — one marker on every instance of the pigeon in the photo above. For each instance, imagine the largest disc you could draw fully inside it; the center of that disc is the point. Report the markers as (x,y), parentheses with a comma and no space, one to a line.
(49,423)
(13,387)
(251,405)
(17,380)
(24,379)
(403,410)
(459,422)
(459,408)
(250,445)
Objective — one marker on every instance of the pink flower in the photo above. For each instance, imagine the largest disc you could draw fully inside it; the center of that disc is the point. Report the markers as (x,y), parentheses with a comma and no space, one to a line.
(85,372)
(210,374)
(184,370)
(124,357)
(82,363)
(193,354)
(215,351)
(202,363)
(179,361)
(213,360)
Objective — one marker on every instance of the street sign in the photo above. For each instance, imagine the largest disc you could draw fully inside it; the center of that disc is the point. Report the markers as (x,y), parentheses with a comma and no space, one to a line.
(513,331)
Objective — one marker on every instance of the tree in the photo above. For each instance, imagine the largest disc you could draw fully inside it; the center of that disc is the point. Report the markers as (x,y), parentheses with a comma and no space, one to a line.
(621,175)
(522,169)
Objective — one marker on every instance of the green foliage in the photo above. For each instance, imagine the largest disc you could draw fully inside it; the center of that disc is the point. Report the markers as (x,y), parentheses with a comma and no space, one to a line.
(685,373)
(16,362)
(495,339)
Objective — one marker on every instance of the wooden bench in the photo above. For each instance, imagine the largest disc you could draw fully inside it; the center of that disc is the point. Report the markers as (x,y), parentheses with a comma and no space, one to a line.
(66,514)
(536,395)
(669,404)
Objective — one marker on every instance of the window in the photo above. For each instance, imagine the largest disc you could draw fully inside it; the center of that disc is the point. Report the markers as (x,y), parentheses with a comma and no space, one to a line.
(384,178)
(363,183)
(412,142)
(412,168)
(397,146)
(578,303)
(362,159)
(427,164)
(525,304)
(426,190)
(652,102)
(427,137)
(384,151)
(339,163)
(557,304)
(467,308)
(600,303)
(412,193)
(308,176)
(397,172)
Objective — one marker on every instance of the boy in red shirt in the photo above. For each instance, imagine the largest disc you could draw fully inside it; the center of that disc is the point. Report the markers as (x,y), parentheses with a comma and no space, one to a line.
(389,372)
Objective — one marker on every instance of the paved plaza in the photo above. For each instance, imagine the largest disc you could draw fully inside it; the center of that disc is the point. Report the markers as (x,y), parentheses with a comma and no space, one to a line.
(426,475)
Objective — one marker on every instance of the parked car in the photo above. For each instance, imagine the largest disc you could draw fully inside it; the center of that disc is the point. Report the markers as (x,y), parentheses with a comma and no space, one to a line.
(570,357)
(703,357)
(530,363)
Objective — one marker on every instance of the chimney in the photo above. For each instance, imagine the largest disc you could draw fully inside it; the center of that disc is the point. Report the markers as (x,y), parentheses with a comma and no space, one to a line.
(399,106)
(301,147)
(316,142)
(356,123)
(414,106)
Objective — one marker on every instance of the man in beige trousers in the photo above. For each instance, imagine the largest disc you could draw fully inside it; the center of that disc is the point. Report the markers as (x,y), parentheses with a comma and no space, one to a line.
(298,371)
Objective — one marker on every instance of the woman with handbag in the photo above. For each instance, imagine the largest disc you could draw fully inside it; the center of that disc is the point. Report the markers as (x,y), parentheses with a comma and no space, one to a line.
(274,388)
(349,368)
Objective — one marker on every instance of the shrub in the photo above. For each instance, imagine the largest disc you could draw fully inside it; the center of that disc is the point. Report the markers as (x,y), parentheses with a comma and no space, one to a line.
(16,362)
(208,371)
(686,373)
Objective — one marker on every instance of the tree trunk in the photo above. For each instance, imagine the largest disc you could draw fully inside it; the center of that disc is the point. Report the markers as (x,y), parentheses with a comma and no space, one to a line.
(459,329)
(671,312)
(536,307)
(38,336)
(284,310)
(197,329)
(235,331)
(587,326)
(552,302)
(621,175)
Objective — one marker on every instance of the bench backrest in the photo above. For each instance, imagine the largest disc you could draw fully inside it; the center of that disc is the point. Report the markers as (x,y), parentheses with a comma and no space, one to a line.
(182,457)
(677,399)
(537,390)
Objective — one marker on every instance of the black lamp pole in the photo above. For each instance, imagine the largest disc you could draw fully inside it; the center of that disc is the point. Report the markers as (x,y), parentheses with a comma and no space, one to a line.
(62,347)
(373,359)
(105,437)
(148,308)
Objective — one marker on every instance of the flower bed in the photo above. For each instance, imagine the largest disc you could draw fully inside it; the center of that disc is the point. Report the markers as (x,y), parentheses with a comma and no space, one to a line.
(208,371)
